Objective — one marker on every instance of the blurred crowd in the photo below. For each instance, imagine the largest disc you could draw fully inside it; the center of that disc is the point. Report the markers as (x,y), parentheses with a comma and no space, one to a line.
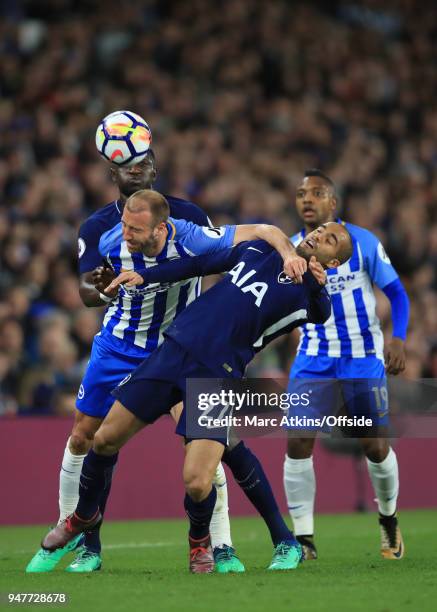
(242,96)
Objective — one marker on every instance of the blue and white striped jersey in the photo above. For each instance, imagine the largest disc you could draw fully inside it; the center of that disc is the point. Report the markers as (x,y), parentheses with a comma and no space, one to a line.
(353,329)
(140,316)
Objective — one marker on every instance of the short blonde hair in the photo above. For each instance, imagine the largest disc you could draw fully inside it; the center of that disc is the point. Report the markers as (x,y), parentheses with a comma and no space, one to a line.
(150,200)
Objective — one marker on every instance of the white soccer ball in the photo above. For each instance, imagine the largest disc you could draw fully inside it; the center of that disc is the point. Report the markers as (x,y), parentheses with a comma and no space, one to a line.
(123,138)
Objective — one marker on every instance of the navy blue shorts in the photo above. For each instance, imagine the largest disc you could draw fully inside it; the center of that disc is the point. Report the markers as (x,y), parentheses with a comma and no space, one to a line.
(159,383)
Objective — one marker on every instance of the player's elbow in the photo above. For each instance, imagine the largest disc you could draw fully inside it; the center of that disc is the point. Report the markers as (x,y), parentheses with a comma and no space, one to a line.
(262,230)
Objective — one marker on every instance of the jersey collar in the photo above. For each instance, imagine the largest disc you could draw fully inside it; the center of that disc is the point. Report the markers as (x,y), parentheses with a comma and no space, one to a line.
(171,230)
(171,233)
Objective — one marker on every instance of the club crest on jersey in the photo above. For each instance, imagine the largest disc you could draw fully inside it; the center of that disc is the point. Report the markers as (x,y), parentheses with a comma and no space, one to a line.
(214,232)
(383,255)
(125,380)
(283,279)
(81,247)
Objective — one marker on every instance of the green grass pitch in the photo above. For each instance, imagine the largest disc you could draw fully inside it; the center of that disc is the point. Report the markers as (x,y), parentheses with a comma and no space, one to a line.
(145,568)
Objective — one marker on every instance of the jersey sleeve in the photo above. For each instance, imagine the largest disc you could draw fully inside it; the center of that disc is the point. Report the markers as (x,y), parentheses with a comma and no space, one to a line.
(191,267)
(400,308)
(88,243)
(376,261)
(319,306)
(198,240)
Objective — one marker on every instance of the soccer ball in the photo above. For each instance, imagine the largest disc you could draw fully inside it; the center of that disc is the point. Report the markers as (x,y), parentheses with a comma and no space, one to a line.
(123,138)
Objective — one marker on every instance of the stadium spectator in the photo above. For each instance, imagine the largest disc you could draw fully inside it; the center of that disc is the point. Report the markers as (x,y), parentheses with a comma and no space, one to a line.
(241,97)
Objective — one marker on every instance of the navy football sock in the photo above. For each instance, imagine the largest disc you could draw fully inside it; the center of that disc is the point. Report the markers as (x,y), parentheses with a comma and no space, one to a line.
(92,538)
(199,514)
(249,474)
(95,475)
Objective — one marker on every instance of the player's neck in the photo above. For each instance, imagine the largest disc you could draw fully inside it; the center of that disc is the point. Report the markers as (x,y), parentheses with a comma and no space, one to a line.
(122,197)
(310,227)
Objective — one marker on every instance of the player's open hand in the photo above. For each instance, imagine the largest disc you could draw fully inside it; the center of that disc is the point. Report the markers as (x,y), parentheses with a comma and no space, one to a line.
(317,271)
(101,277)
(395,356)
(129,278)
(295,267)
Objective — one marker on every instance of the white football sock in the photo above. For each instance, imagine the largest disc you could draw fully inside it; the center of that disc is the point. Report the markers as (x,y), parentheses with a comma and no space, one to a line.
(220,528)
(69,477)
(300,491)
(385,480)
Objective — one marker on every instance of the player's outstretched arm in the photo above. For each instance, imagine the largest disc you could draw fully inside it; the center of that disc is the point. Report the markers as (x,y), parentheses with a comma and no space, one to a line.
(203,240)
(179,269)
(294,265)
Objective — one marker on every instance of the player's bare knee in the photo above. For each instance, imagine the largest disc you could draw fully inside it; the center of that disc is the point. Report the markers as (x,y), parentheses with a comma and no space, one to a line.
(375,449)
(197,485)
(300,448)
(104,443)
(80,442)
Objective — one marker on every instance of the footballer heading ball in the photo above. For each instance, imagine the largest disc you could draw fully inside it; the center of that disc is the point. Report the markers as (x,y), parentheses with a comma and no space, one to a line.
(123,138)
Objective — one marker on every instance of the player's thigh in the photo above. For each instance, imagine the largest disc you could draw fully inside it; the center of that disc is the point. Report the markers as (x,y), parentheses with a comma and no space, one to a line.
(201,460)
(117,428)
(176,411)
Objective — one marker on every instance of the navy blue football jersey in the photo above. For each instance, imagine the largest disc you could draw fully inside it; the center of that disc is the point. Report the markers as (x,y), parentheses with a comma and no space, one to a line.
(253,304)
